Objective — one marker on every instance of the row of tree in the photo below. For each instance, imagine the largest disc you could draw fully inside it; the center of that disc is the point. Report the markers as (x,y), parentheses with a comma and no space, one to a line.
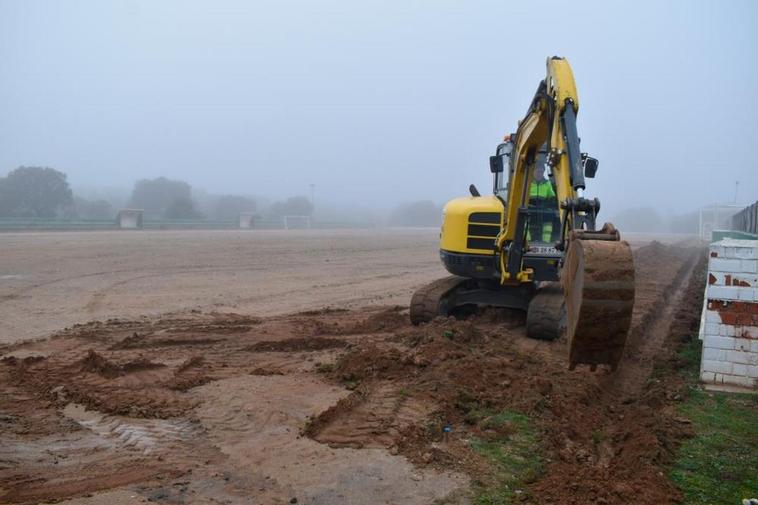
(45,193)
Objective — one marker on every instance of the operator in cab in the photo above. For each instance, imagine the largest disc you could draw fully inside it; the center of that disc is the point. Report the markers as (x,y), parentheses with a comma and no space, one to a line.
(543,207)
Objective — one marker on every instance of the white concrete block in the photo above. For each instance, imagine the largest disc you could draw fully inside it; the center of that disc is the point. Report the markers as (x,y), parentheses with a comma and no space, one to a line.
(712,354)
(718,342)
(712,316)
(736,242)
(745,253)
(712,329)
(742,344)
(752,371)
(707,376)
(718,378)
(741,357)
(746,294)
(729,252)
(748,266)
(739,381)
(716,248)
(738,369)
(723,367)
(725,265)
(723,292)
(750,332)
(727,330)
(754,344)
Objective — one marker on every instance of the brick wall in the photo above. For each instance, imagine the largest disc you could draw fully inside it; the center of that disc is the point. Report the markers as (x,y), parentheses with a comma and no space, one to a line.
(730,324)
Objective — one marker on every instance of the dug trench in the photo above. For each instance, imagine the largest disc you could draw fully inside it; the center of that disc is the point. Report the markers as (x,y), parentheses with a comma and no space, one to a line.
(338,406)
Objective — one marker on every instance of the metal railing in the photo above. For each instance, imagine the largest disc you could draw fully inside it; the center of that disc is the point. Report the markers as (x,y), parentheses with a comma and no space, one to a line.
(746,220)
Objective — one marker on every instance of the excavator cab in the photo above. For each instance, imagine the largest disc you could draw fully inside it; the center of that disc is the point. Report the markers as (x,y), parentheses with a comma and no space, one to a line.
(543,228)
(544,222)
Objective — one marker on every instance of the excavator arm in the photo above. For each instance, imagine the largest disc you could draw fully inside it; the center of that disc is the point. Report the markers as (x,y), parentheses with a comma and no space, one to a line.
(551,122)
(597,271)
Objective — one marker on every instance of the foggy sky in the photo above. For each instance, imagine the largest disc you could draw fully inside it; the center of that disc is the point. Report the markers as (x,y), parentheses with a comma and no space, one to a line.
(377,102)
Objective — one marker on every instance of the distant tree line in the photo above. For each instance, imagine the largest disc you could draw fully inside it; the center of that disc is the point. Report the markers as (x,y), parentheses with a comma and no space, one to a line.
(44,192)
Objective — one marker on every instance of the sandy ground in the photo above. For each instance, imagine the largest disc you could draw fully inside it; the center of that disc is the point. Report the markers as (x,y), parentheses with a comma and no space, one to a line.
(51,280)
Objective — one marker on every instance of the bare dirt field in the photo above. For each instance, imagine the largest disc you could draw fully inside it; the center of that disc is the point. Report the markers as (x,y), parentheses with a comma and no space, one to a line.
(52,280)
(244,396)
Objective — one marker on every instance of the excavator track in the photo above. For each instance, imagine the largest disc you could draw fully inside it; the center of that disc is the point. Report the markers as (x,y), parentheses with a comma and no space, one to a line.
(598,282)
(546,316)
(428,301)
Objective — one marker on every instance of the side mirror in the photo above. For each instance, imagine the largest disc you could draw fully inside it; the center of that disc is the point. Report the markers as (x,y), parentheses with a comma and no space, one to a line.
(590,166)
(496,164)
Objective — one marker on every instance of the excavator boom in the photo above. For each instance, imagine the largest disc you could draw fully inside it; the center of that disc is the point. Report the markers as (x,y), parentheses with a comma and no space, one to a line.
(597,270)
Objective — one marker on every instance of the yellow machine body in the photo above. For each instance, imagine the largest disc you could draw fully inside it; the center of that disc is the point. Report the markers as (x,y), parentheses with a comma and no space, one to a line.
(471,224)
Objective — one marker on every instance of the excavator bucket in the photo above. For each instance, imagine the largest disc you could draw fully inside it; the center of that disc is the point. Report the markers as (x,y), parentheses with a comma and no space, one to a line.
(598,283)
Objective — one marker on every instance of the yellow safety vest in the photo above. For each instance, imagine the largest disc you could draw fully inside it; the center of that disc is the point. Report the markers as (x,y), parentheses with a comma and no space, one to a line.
(542,189)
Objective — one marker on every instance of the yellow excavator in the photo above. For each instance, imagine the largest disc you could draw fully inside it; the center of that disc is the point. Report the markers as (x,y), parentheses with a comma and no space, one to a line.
(543,255)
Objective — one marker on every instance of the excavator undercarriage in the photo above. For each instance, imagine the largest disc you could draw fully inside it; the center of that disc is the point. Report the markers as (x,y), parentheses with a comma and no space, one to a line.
(591,306)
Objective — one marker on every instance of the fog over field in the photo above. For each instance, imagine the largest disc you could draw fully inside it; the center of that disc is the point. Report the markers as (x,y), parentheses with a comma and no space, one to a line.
(367,106)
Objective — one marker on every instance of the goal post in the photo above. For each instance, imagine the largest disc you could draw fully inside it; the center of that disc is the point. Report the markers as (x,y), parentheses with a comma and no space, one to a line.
(297,222)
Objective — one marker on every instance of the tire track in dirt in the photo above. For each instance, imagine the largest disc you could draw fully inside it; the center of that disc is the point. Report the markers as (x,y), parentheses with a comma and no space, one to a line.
(648,337)
(372,418)
(147,436)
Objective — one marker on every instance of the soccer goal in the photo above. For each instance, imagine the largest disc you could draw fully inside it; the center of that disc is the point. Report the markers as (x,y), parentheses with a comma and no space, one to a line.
(297,222)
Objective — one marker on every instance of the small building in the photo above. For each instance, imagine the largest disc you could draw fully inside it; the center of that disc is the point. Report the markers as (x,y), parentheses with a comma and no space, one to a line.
(729,327)
(247,220)
(129,219)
